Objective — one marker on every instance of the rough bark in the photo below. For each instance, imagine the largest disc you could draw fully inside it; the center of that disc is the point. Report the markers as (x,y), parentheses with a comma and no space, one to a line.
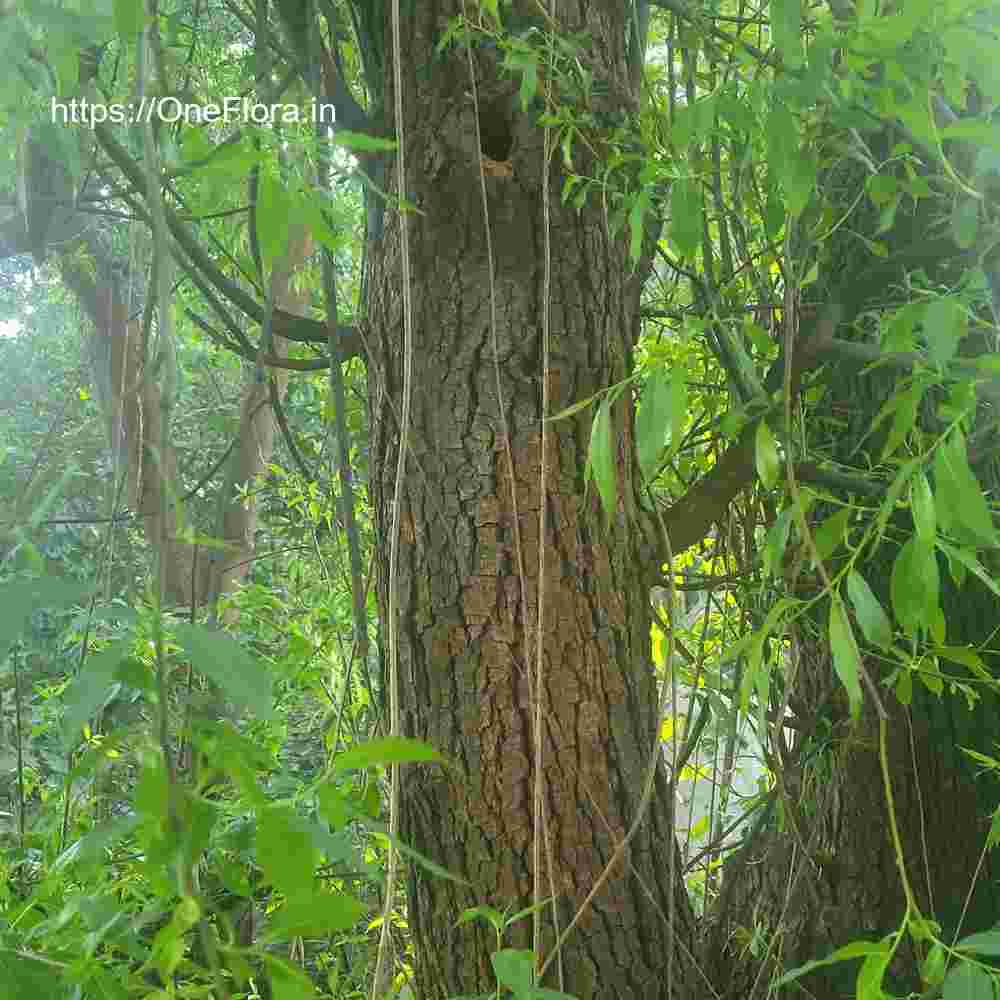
(464,623)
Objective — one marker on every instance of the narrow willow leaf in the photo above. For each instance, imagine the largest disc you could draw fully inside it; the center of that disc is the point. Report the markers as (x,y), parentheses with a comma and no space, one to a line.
(766,453)
(922,501)
(904,415)
(777,541)
(799,179)
(971,563)
(786,30)
(678,407)
(602,459)
(274,210)
(388,750)
(846,658)
(685,216)
(914,585)
(653,420)
(968,658)
(572,408)
(962,510)
(871,615)
(856,949)
(636,217)
(363,142)
(829,536)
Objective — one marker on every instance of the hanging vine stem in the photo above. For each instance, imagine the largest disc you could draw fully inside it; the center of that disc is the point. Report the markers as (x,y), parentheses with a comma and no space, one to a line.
(382,966)
(538,798)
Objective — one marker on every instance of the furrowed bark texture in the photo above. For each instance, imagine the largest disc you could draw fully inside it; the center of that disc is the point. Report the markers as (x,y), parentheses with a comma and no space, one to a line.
(464,624)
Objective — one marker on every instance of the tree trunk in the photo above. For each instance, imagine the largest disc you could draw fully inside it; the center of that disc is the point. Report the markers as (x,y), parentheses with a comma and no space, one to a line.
(467,621)
(824,872)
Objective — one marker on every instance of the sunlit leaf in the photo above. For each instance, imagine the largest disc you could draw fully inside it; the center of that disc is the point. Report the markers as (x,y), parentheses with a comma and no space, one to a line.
(653,421)
(385,751)
(766,453)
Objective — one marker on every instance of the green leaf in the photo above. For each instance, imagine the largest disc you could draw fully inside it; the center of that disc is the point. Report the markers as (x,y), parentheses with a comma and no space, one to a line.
(315,914)
(904,414)
(777,541)
(983,943)
(89,690)
(21,976)
(892,495)
(363,142)
(678,407)
(993,837)
(914,585)
(856,949)
(799,179)
(91,847)
(766,454)
(829,536)
(685,216)
(967,982)
(962,508)
(653,421)
(966,657)
(432,866)
(21,599)
(786,30)
(904,687)
(933,966)
(529,82)
(222,659)
(602,460)
(288,981)
(965,222)
(515,969)
(870,975)
(846,658)
(922,501)
(385,751)
(945,326)
(285,850)
(636,215)
(493,917)
(130,16)
(274,217)
(971,563)
(871,616)
(576,407)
